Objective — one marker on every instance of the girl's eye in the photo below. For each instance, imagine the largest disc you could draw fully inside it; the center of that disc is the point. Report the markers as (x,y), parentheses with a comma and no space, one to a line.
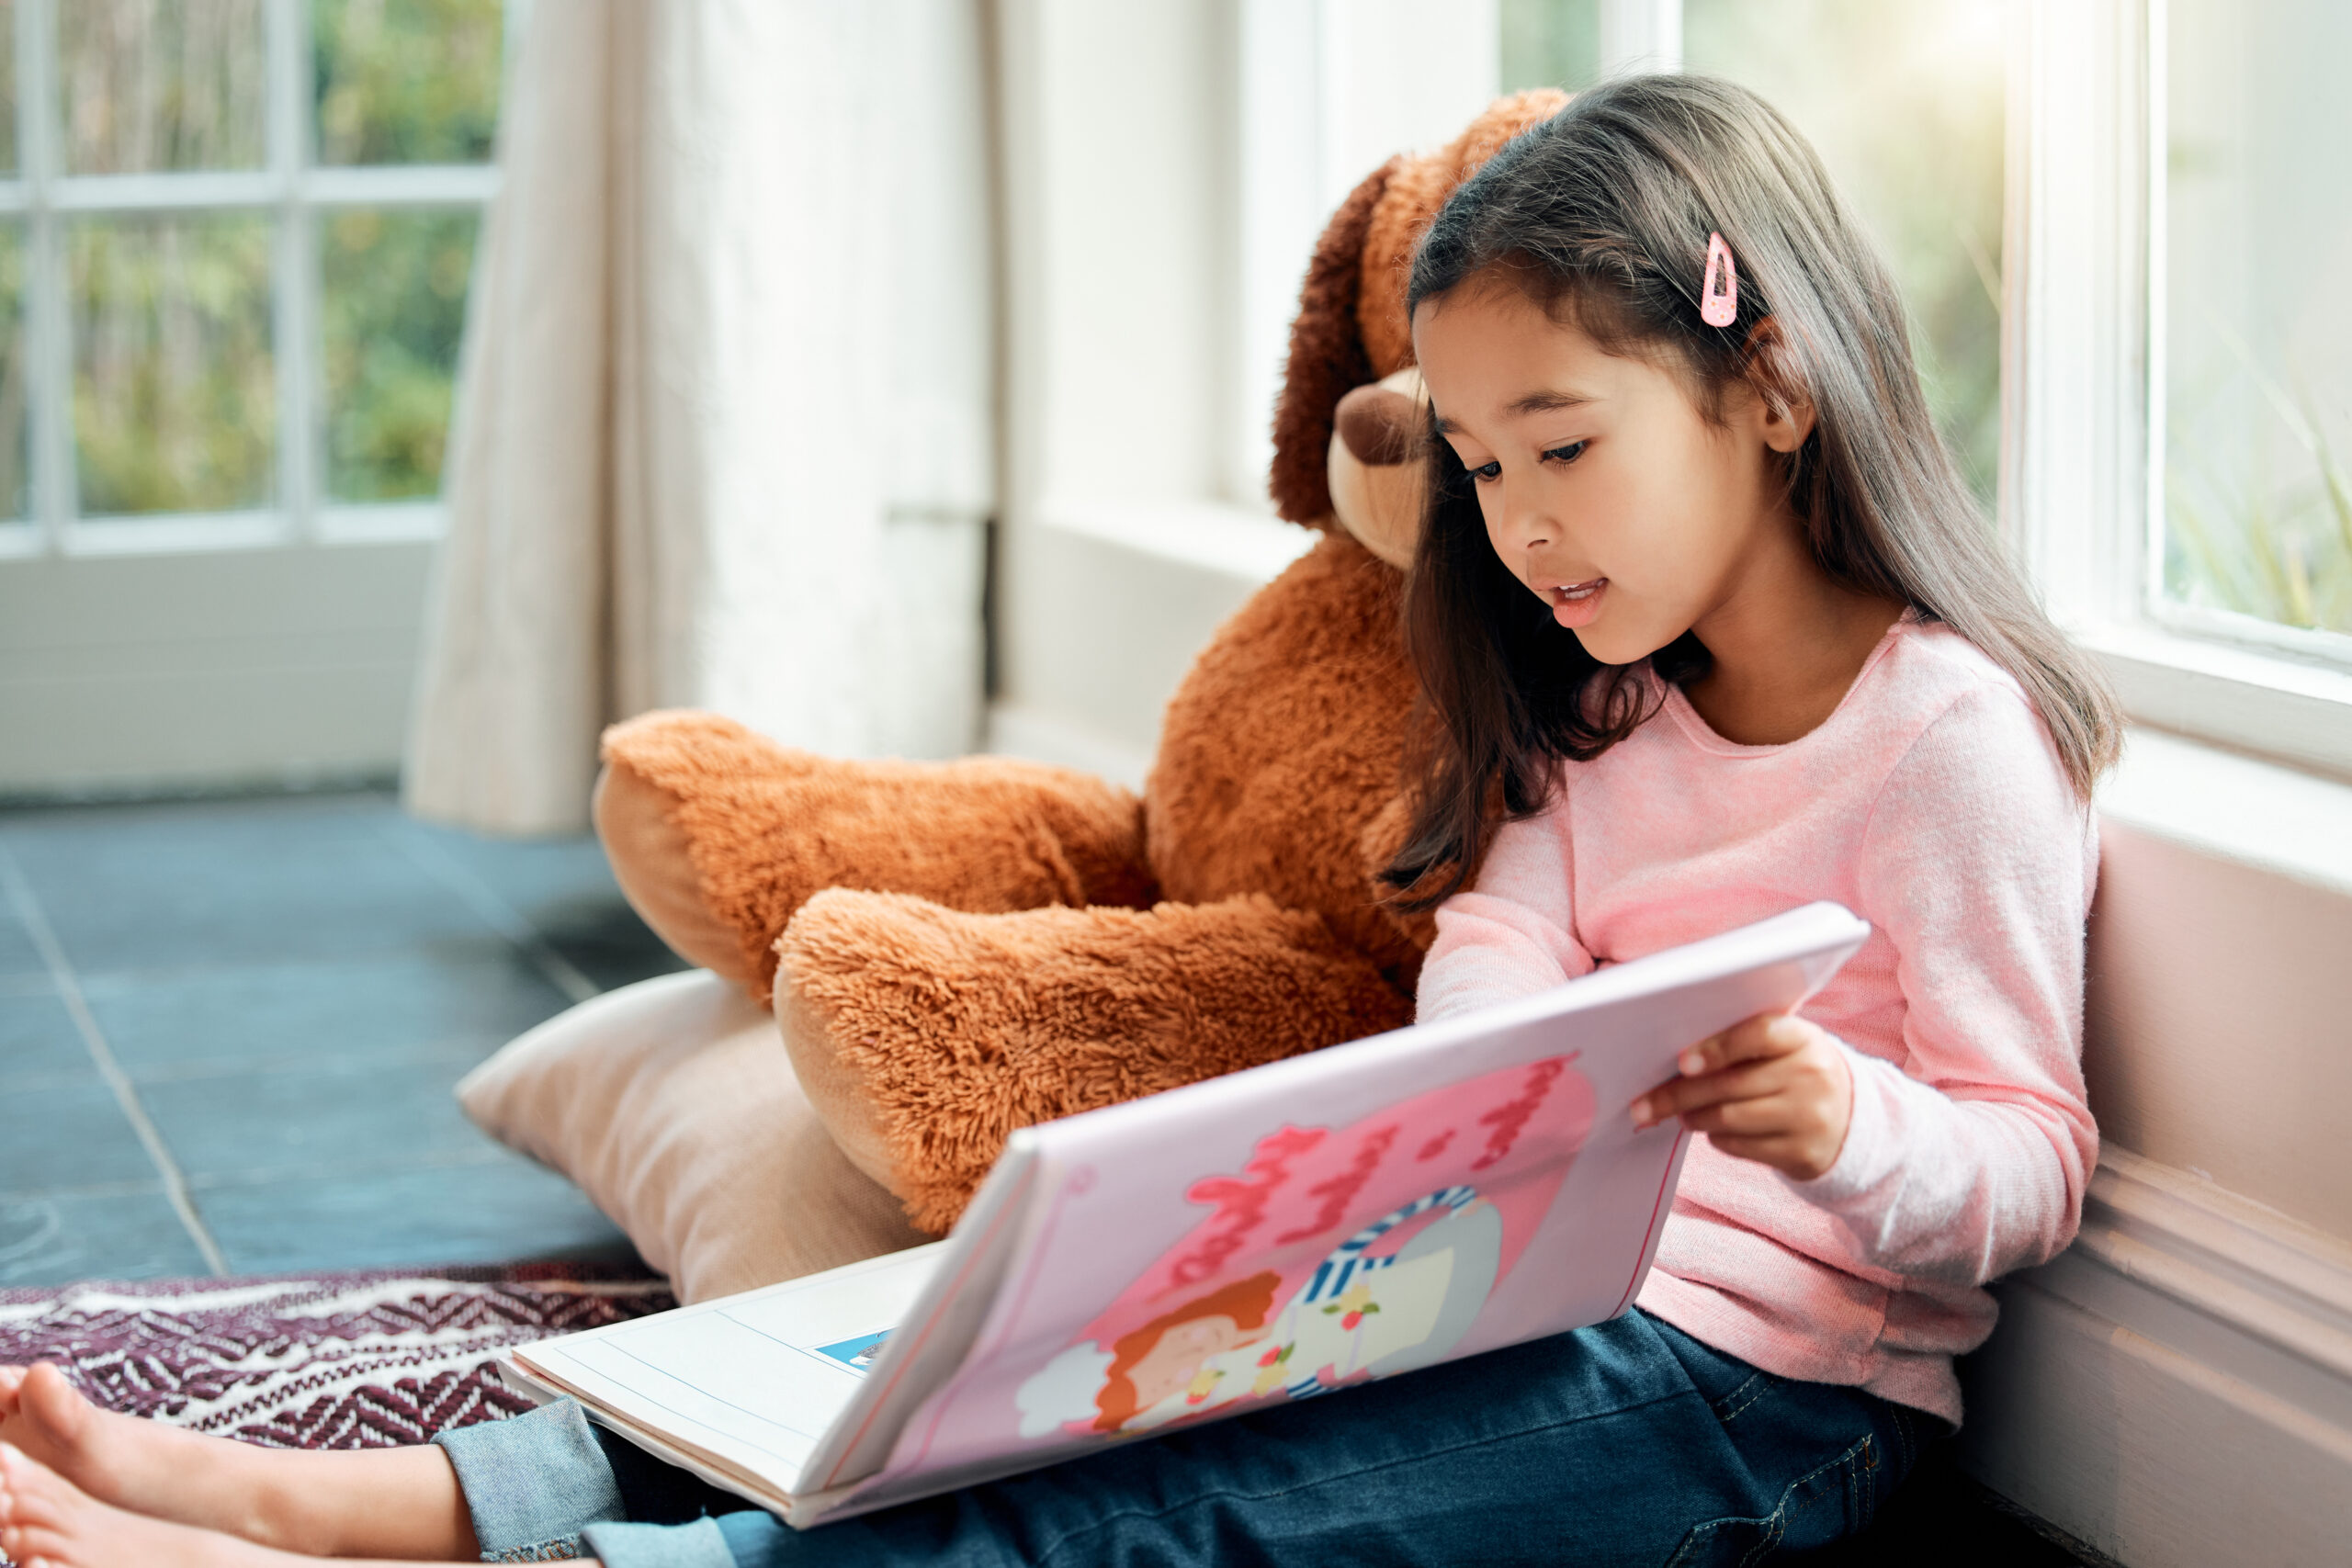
(1486,473)
(1569,453)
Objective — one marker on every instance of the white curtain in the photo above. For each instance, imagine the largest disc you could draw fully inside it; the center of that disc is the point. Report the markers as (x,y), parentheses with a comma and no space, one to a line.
(724,434)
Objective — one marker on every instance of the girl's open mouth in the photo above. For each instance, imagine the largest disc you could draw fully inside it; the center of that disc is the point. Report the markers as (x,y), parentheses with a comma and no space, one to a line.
(1576,604)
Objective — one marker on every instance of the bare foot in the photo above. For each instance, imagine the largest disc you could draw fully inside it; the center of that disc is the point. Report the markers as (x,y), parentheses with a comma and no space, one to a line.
(393,1502)
(46,1416)
(48,1522)
(141,1466)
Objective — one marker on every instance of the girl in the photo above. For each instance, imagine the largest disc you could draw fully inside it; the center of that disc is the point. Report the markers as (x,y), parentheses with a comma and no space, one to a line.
(1702,609)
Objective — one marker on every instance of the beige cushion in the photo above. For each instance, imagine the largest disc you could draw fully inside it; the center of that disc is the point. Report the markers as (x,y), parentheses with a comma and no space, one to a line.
(672,1103)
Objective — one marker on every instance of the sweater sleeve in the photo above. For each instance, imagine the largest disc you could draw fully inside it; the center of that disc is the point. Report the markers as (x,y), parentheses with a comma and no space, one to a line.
(1971,1157)
(1511,934)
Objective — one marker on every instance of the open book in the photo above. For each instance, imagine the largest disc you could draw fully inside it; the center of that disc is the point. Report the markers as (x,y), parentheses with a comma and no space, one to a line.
(1278,1233)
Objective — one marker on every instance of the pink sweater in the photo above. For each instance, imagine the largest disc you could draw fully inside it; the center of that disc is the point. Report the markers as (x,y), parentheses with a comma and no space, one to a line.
(1932,803)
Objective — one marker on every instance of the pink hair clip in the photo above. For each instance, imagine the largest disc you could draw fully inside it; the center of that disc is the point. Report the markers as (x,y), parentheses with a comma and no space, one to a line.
(1719,306)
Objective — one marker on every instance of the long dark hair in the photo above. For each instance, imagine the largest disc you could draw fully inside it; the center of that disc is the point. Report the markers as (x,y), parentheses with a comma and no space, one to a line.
(1601,215)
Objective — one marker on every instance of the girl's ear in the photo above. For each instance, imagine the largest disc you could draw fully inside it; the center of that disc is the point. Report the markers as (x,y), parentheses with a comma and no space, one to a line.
(1772,371)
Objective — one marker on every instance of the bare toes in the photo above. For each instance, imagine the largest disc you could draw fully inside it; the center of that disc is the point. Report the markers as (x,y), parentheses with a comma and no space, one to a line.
(41,1512)
(30,1492)
(50,1402)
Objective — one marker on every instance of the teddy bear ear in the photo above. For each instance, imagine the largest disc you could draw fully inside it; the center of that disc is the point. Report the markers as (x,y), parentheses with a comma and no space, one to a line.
(1326,356)
(1412,199)
(1351,327)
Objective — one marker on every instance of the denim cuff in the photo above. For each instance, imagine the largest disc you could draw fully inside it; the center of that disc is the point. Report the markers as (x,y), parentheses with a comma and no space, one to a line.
(533,1484)
(697,1545)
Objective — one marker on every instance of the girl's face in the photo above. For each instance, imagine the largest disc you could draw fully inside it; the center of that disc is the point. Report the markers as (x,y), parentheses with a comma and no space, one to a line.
(1603,488)
(1177,1357)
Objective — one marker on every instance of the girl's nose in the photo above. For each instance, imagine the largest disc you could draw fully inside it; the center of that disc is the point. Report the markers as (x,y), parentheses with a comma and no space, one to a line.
(1528,524)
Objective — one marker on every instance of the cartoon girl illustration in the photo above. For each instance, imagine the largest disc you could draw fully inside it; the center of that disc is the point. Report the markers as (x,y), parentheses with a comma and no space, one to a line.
(1170,1367)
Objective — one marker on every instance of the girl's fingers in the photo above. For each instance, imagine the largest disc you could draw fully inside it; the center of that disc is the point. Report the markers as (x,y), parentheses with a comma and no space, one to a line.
(1770,1116)
(1766,1034)
(1680,1097)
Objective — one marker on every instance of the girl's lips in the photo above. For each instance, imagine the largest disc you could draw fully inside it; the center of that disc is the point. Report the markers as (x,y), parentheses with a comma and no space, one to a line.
(1577,604)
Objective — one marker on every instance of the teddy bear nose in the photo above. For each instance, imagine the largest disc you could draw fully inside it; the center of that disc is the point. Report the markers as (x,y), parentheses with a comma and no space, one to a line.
(1377,424)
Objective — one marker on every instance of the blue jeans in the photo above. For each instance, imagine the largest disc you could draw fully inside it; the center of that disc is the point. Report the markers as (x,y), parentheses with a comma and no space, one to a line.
(1627,1442)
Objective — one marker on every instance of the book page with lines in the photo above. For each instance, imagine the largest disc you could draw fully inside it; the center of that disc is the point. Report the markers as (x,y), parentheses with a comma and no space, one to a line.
(752,1381)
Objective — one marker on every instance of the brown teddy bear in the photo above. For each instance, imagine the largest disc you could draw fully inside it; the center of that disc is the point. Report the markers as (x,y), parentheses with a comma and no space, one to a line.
(956,950)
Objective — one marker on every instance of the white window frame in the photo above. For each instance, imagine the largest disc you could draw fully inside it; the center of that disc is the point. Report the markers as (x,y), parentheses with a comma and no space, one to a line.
(2082,487)
(292,190)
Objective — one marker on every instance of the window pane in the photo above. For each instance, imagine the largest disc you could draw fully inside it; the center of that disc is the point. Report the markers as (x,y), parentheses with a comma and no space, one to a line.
(395,305)
(1550,43)
(8,86)
(2257,343)
(15,491)
(406,80)
(1902,98)
(174,385)
(154,84)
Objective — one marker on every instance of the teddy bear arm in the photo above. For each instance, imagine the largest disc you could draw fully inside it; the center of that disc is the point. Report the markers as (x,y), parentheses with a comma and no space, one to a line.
(652,861)
(924,1036)
(716,835)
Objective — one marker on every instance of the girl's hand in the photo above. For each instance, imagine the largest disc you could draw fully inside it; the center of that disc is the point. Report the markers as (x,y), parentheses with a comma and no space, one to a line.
(1774,1089)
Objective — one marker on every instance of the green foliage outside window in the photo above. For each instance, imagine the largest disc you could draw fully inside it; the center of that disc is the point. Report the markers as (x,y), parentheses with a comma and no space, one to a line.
(406,80)
(172,320)
(175,387)
(394,309)
(145,86)
(1550,43)
(1903,100)
(398,82)
(8,86)
(2258,358)
(13,487)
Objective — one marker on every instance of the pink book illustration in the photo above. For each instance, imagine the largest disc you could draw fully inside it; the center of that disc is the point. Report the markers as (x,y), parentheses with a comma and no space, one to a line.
(1284,1289)
(1275,1236)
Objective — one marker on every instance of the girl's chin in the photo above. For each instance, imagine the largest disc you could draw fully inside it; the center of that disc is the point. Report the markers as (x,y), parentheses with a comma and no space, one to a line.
(1611,644)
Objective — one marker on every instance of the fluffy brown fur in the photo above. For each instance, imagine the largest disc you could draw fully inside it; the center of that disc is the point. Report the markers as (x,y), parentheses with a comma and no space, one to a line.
(958,950)
(1283,745)
(767,826)
(1327,357)
(962,1027)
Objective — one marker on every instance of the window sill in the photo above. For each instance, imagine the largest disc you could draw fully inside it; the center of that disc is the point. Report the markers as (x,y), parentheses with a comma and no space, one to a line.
(2298,712)
(2252,813)
(1251,547)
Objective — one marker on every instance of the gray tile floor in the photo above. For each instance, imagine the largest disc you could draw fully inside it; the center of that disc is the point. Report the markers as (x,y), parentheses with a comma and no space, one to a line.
(229,1030)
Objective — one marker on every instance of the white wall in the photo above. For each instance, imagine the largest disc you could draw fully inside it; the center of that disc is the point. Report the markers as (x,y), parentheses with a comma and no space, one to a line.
(2220,1026)
(2176,1388)
(123,673)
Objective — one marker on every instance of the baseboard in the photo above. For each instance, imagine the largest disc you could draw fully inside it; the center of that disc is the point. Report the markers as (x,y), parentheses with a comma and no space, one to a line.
(2176,1389)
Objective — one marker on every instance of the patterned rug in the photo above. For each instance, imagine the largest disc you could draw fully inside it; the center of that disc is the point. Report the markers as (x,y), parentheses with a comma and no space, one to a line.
(357,1361)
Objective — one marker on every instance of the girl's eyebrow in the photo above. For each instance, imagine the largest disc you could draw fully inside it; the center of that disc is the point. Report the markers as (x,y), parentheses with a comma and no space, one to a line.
(1533,402)
(1548,402)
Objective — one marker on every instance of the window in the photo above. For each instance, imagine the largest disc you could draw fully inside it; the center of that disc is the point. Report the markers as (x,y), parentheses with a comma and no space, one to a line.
(236,237)
(1903,100)
(2177,416)
(2112,222)
(2254,405)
